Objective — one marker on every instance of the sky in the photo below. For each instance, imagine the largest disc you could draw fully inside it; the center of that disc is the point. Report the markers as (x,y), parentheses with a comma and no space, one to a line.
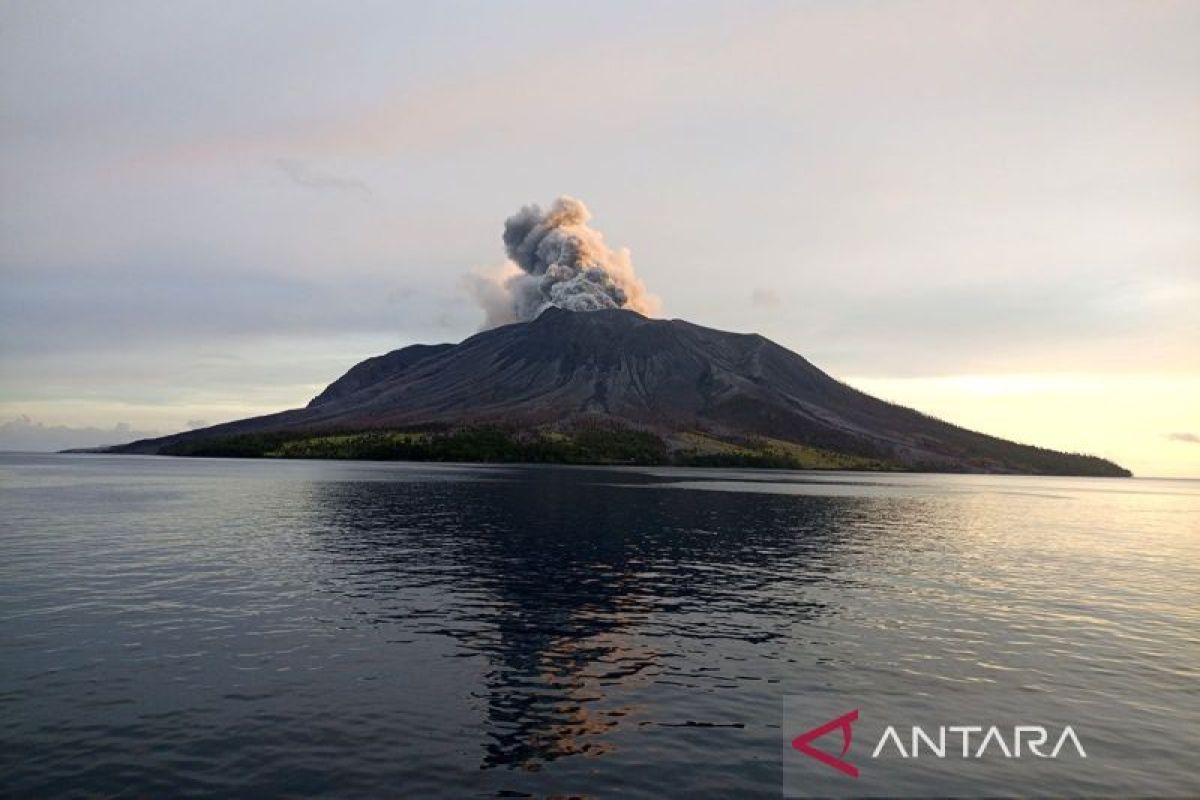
(988,211)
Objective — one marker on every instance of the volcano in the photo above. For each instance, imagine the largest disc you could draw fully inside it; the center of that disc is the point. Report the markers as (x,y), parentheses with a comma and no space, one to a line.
(705,396)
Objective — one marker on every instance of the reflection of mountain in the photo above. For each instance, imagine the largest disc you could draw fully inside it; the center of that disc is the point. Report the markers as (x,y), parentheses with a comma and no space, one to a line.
(574,595)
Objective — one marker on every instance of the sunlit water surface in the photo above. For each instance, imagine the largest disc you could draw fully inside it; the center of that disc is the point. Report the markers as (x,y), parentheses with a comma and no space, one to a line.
(259,628)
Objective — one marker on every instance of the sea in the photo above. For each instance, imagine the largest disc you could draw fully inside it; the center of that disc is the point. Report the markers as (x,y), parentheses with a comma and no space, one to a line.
(257,628)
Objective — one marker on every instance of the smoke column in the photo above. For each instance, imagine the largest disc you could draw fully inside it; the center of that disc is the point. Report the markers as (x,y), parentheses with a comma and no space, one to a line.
(559,261)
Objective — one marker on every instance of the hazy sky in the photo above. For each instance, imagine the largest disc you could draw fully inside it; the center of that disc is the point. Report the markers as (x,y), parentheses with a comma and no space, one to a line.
(990,210)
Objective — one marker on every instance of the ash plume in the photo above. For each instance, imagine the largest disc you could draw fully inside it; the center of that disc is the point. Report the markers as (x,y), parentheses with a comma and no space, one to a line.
(557,260)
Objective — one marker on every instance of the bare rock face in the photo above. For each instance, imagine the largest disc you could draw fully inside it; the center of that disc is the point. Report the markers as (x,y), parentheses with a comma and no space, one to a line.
(666,376)
(375,370)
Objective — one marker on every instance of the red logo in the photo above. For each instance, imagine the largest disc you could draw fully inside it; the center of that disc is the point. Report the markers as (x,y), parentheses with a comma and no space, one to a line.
(803,743)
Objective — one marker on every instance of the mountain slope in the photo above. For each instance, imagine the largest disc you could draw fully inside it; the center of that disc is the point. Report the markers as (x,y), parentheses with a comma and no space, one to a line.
(666,376)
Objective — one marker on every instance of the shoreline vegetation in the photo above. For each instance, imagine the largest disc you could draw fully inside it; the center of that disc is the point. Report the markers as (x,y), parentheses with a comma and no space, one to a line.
(501,446)
(586,446)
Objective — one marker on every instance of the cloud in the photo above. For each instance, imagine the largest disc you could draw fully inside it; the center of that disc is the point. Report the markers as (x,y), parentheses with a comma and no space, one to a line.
(305,174)
(153,303)
(1189,438)
(765,298)
(25,434)
(1053,323)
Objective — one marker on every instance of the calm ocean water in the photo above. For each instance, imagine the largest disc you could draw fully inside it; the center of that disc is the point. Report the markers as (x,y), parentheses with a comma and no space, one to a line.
(176,626)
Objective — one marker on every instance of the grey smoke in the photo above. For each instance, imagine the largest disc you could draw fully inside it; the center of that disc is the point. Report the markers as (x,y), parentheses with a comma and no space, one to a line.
(1189,438)
(562,262)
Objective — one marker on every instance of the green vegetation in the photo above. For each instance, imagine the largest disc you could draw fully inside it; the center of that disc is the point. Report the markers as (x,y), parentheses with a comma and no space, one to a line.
(249,445)
(583,445)
(487,445)
(699,450)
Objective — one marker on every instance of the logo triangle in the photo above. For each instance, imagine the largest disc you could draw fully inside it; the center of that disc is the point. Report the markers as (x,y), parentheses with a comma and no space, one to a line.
(804,741)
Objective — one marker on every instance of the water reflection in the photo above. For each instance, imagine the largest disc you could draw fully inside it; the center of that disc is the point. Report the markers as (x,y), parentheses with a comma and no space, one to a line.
(575,595)
(319,628)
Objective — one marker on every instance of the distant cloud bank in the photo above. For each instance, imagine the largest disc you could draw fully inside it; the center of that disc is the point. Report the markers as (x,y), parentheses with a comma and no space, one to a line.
(25,434)
(1189,438)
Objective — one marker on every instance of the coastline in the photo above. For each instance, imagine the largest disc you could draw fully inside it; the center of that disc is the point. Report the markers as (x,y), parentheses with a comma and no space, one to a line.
(595,447)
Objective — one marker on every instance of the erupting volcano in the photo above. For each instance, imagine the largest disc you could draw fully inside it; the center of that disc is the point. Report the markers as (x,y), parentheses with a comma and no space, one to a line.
(570,367)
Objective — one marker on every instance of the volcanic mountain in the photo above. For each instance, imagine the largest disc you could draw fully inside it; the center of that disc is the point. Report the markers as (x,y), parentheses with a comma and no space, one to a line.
(699,392)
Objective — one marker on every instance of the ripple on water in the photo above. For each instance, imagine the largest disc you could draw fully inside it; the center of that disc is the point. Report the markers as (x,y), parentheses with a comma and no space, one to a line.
(195,626)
